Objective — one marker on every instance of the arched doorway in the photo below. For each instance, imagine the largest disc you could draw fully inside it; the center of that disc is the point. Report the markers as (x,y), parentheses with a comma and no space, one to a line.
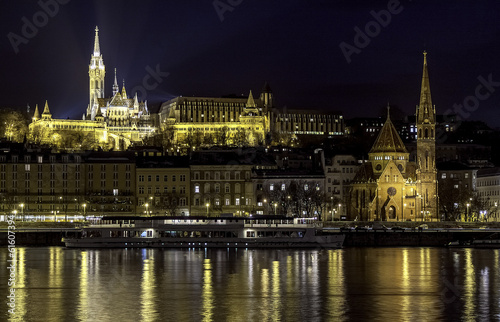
(391,213)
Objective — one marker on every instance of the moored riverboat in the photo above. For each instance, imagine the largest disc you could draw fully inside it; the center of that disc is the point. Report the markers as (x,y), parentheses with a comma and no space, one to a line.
(188,232)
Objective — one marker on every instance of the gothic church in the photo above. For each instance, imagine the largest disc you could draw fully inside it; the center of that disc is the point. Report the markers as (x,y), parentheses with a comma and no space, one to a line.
(390,187)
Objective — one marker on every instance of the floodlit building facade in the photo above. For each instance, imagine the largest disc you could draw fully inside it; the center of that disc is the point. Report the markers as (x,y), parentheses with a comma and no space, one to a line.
(118,121)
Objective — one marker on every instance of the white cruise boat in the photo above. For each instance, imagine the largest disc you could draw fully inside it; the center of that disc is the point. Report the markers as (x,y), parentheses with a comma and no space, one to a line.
(189,232)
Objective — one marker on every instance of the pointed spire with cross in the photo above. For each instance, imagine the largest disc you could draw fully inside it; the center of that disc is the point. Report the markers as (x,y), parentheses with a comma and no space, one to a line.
(97,50)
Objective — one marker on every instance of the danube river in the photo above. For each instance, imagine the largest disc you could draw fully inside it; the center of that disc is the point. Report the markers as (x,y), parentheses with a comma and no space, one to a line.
(351,284)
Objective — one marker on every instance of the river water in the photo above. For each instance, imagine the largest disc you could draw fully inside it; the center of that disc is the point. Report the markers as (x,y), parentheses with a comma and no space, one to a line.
(351,284)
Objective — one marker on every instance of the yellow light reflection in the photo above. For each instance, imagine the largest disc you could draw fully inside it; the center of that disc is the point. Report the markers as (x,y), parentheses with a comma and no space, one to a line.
(405,282)
(336,284)
(83,304)
(233,303)
(264,306)
(293,301)
(148,285)
(20,287)
(276,295)
(469,285)
(207,292)
(55,277)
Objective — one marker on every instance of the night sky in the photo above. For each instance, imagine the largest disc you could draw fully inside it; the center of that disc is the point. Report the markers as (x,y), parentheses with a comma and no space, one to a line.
(294,45)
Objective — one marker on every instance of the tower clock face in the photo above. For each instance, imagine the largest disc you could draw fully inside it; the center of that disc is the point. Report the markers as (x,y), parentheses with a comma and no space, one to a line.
(391,191)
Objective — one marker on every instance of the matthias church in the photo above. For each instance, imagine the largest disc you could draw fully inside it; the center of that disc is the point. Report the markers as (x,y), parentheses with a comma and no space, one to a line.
(120,120)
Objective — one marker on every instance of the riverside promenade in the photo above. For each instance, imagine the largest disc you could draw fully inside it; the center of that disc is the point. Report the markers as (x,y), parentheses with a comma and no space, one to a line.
(431,234)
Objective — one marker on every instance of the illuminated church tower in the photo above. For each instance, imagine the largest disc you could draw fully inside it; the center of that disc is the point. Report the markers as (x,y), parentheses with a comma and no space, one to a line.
(426,151)
(97,72)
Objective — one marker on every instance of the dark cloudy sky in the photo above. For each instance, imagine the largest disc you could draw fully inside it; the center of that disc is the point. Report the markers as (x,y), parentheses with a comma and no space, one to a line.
(294,45)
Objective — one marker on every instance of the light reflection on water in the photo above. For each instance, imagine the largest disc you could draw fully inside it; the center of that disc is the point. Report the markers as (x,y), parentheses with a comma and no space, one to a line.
(393,284)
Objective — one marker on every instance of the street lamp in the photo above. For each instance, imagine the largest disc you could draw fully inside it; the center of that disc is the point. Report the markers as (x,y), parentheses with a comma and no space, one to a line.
(467,218)
(84,208)
(22,211)
(15,213)
(275,208)
(146,205)
(340,214)
(241,202)
(207,205)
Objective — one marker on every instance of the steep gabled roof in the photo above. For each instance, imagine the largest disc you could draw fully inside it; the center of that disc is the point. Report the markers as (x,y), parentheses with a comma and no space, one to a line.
(365,173)
(388,139)
(117,100)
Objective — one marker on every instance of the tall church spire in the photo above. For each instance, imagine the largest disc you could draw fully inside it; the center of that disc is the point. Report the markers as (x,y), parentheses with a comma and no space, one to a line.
(97,51)
(97,71)
(426,172)
(425,110)
(115,85)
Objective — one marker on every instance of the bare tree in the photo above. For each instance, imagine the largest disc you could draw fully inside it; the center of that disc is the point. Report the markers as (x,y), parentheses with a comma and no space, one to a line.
(171,203)
(14,125)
